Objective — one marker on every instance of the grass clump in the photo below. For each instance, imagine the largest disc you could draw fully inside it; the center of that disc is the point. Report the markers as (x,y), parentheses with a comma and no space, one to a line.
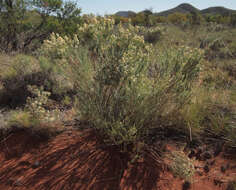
(182,166)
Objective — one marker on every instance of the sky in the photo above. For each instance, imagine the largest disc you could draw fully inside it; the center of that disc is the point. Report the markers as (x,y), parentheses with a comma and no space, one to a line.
(101,7)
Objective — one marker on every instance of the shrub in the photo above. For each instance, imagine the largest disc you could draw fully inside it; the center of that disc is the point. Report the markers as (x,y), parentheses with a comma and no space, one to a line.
(177,18)
(22,29)
(53,57)
(24,70)
(153,35)
(215,48)
(118,83)
(20,71)
(212,43)
(182,166)
(35,105)
(216,44)
(19,66)
(211,112)
(214,27)
(22,119)
(34,113)
(123,91)
(56,46)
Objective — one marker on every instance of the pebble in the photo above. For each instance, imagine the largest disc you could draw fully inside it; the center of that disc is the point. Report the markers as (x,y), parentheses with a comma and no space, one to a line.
(36,164)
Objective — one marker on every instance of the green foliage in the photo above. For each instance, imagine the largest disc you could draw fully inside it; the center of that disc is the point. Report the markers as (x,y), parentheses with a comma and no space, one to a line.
(20,118)
(211,112)
(128,87)
(35,105)
(160,19)
(216,44)
(67,101)
(34,113)
(123,90)
(120,19)
(153,36)
(24,29)
(86,33)
(118,82)
(182,166)
(214,27)
(195,18)
(20,71)
(56,46)
(177,18)
(21,65)
(208,112)
(215,48)
(218,18)
(53,63)
(11,14)
(140,19)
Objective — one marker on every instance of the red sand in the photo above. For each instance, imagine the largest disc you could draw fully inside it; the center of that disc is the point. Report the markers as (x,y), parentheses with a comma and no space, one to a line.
(77,161)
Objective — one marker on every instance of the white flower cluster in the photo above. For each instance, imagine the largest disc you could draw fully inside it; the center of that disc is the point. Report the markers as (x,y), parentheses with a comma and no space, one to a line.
(122,47)
(36,104)
(123,43)
(57,46)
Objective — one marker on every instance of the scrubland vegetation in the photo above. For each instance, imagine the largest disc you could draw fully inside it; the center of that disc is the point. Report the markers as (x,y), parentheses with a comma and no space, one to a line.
(134,81)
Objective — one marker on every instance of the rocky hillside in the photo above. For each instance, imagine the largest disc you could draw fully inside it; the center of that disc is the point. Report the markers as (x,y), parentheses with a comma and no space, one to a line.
(217,10)
(185,8)
(182,8)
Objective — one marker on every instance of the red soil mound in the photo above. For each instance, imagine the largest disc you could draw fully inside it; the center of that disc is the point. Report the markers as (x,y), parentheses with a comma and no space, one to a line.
(72,160)
(77,161)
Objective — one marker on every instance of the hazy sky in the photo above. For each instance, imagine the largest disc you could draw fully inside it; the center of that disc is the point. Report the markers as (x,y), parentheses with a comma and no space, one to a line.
(112,6)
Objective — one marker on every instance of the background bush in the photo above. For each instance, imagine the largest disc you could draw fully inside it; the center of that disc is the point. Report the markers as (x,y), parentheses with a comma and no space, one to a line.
(25,24)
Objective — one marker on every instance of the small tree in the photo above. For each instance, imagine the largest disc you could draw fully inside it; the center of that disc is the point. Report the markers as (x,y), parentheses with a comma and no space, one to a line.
(18,30)
(12,12)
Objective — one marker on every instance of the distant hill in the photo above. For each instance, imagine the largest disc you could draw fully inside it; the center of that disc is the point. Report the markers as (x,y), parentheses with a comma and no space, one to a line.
(217,10)
(182,8)
(125,13)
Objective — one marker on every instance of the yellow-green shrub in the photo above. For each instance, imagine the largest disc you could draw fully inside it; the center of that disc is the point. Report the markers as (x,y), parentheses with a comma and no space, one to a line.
(34,113)
(123,88)
(18,66)
(182,166)
(21,118)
